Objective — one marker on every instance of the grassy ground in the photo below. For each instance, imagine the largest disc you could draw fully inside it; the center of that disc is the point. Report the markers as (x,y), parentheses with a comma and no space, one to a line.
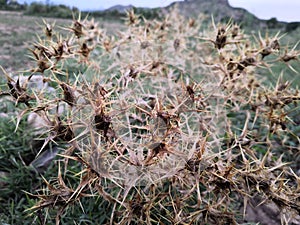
(17,32)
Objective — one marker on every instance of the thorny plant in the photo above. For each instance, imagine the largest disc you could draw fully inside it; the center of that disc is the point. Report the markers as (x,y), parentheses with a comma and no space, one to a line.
(167,128)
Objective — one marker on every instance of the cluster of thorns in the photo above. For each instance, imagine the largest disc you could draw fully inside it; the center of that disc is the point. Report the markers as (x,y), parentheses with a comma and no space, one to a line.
(210,172)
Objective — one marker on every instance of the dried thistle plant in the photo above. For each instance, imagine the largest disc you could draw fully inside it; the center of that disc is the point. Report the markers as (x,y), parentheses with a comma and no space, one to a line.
(168,128)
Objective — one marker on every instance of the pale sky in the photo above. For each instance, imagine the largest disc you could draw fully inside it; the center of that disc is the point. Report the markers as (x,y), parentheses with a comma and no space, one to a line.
(283,10)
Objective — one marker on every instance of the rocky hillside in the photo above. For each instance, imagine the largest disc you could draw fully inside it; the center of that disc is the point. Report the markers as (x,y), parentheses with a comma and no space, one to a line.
(221,11)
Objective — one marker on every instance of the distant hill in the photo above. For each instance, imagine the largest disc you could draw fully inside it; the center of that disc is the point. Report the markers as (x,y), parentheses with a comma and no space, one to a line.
(120,8)
(220,9)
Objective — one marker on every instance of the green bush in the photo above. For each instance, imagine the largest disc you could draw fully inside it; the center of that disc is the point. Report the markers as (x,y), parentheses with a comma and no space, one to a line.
(292,26)
(56,11)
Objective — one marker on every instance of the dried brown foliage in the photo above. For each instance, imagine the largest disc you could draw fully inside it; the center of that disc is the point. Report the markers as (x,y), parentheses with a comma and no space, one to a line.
(168,128)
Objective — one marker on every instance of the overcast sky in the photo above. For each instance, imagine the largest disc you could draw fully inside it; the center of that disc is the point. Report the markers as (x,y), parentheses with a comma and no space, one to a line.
(283,10)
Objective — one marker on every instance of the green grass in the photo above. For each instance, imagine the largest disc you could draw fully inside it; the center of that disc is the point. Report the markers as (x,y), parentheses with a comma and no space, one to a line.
(16,176)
